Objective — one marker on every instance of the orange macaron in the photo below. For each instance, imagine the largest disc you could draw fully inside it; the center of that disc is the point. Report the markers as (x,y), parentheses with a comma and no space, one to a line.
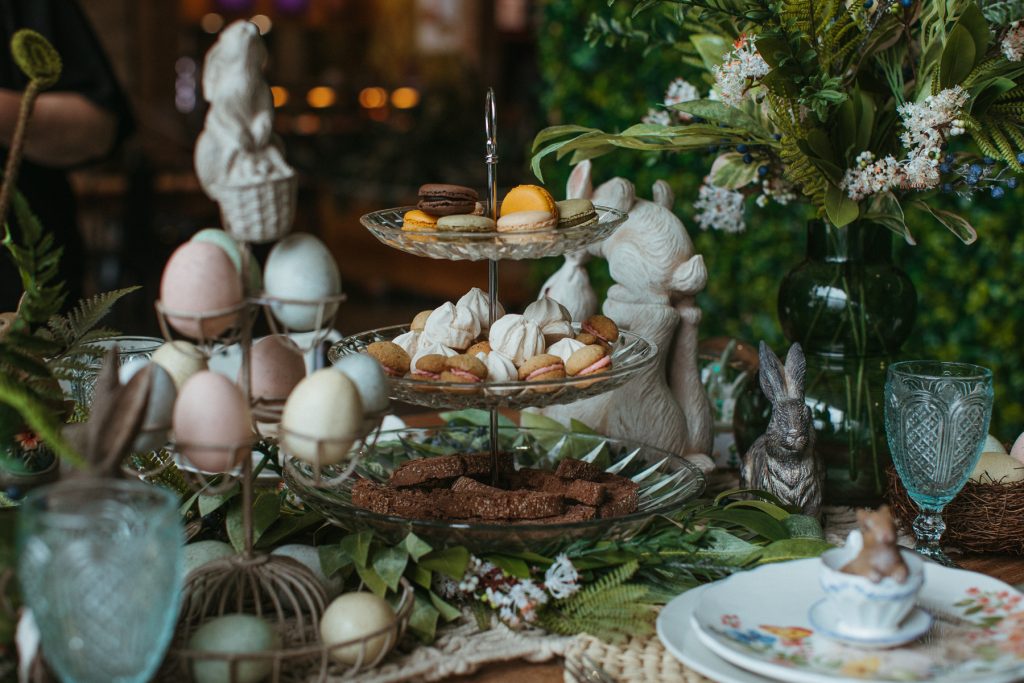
(529,198)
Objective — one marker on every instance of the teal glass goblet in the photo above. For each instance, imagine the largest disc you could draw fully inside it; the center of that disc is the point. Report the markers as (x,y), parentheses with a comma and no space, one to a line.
(936,421)
(101,565)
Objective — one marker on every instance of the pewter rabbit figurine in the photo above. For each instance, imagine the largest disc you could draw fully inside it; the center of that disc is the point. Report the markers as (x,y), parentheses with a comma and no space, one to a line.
(782,460)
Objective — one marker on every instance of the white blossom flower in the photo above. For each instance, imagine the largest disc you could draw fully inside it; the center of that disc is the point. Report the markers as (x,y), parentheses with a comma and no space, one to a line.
(778,189)
(679,91)
(877,176)
(719,208)
(742,66)
(658,117)
(561,579)
(1012,43)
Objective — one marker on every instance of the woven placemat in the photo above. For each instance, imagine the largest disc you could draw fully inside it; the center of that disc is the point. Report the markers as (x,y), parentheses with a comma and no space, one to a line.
(639,660)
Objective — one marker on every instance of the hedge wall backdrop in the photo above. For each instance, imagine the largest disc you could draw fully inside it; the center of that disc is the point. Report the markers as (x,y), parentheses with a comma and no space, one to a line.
(970,297)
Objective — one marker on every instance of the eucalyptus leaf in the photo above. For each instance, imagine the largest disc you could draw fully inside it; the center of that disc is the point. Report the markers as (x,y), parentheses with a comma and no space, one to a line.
(958,57)
(451,562)
(956,224)
(723,114)
(389,564)
(552,132)
(768,508)
(416,546)
(357,546)
(265,510)
(729,171)
(372,580)
(333,558)
(721,547)
(803,526)
(448,612)
(841,210)
(757,522)
(793,549)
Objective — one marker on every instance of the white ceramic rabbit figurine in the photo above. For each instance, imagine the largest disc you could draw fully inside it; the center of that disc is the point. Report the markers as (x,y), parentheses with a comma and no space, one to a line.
(782,460)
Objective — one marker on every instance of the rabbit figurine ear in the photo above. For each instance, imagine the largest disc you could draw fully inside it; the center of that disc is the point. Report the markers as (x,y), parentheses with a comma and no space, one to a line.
(580,185)
(796,370)
(773,381)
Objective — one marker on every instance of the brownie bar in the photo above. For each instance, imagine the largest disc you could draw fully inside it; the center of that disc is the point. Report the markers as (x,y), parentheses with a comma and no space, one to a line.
(479,464)
(506,505)
(623,496)
(411,504)
(425,471)
(571,468)
(467,485)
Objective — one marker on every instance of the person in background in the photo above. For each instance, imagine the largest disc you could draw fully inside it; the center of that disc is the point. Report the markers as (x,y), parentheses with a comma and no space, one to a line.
(80,120)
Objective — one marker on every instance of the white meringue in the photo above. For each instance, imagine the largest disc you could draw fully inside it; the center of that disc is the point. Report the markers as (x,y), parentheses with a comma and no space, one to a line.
(517,338)
(478,304)
(427,346)
(500,367)
(451,326)
(408,341)
(552,317)
(563,348)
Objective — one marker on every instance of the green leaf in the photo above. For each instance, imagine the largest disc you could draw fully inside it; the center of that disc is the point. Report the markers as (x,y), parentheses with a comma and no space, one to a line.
(372,581)
(333,559)
(958,57)
(208,504)
(451,562)
(265,510)
(552,132)
(759,523)
(475,417)
(448,612)
(513,566)
(578,427)
(711,47)
(721,547)
(840,209)
(531,420)
(36,57)
(730,172)
(756,493)
(958,225)
(420,576)
(722,114)
(768,508)
(803,526)
(416,546)
(793,549)
(358,546)
(389,564)
(423,619)
(885,209)
(286,526)
(973,20)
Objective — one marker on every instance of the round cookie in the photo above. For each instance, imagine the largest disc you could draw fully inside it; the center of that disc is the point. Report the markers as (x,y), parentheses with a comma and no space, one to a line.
(588,360)
(465,223)
(602,327)
(541,368)
(576,213)
(440,199)
(419,221)
(526,221)
(420,321)
(464,369)
(529,198)
(428,367)
(392,358)
(479,347)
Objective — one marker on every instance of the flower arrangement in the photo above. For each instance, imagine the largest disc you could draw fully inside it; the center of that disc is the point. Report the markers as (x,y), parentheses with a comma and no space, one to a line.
(862,109)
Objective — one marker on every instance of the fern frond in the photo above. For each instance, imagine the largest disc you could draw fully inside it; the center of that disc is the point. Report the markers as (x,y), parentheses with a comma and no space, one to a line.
(1003,12)
(72,328)
(37,259)
(1003,144)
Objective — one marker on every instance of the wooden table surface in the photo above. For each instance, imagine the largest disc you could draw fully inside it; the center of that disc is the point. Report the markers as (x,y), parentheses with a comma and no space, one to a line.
(1005,568)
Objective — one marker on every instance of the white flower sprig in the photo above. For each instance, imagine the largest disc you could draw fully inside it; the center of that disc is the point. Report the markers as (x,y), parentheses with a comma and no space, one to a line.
(679,90)
(1012,43)
(739,72)
(719,208)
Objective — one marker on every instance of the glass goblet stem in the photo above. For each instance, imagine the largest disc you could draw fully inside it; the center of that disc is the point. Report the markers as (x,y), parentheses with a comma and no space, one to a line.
(928,529)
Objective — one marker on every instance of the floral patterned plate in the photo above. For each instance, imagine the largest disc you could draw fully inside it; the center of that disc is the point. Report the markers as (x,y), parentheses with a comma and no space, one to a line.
(758,620)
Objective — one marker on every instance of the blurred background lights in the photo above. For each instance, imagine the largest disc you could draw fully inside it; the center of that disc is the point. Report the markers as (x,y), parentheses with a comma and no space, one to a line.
(280,95)
(405,98)
(263,23)
(321,96)
(212,22)
(307,124)
(373,98)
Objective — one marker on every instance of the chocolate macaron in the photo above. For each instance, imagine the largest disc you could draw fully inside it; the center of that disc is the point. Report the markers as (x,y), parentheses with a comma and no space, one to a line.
(540,368)
(439,199)
(392,358)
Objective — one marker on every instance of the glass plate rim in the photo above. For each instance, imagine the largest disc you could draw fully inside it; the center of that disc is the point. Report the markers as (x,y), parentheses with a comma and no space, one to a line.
(371,222)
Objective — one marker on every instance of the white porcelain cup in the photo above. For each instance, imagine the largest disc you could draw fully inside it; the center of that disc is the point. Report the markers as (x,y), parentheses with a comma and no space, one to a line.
(868,609)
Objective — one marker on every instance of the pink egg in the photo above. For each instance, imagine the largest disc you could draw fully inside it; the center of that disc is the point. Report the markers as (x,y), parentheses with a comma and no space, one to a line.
(200,278)
(212,423)
(1017,451)
(276,366)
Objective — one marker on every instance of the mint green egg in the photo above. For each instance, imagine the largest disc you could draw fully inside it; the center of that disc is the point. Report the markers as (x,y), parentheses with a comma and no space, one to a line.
(235,634)
(254,283)
(199,553)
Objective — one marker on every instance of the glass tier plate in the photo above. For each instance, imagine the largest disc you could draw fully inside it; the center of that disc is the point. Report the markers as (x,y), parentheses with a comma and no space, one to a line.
(631,354)
(386,225)
(667,482)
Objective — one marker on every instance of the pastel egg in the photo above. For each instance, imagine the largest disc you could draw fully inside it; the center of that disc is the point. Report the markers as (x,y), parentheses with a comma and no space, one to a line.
(997,467)
(199,279)
(234,634)
(203,552)
(212,423)
(366,373)
(993,445)
(180,359)
(254,281)
(310,557)
(351,616)
(300,267)
(322,418)
(156,423)
(276,365)
(1017,450)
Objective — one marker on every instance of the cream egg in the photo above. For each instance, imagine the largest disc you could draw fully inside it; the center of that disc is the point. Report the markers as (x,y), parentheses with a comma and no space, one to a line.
(234,634)
(199,278)
(367,375)
(998,467)
(212,423)
(300,267)
(351,616)
(181,360)
(1017,450)
(254,281)
(322,417)
(276,365)
(156,423)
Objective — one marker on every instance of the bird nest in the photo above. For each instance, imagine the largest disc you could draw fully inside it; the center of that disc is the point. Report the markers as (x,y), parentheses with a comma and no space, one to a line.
(985,517)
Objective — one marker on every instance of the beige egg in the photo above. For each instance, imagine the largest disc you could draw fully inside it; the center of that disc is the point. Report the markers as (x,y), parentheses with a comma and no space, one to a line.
(1000,467)
(322,418)
(200,278)
(275,367)
(1017,450)
(212,423)
(356,615)
(181,360)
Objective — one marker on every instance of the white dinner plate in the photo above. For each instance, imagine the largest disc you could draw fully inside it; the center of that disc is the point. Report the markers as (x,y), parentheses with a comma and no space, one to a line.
(758,620)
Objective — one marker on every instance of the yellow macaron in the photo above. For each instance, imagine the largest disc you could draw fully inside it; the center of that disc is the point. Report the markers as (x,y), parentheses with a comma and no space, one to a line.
(418,220)
(528,198)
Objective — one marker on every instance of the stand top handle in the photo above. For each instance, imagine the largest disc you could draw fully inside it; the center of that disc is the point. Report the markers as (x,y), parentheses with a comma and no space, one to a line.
(491,127)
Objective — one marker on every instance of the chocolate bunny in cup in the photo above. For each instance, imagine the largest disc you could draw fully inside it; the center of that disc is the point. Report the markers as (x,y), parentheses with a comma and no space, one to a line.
(782,461)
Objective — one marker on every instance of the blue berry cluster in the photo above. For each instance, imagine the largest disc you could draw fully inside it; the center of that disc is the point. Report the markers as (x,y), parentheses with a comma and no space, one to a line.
(985,175)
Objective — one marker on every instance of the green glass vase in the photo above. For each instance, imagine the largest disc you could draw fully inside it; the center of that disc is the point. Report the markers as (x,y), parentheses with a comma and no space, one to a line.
(851,308)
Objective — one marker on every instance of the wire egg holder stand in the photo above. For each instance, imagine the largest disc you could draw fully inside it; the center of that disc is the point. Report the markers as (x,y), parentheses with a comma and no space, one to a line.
(274,587)
(631,356)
